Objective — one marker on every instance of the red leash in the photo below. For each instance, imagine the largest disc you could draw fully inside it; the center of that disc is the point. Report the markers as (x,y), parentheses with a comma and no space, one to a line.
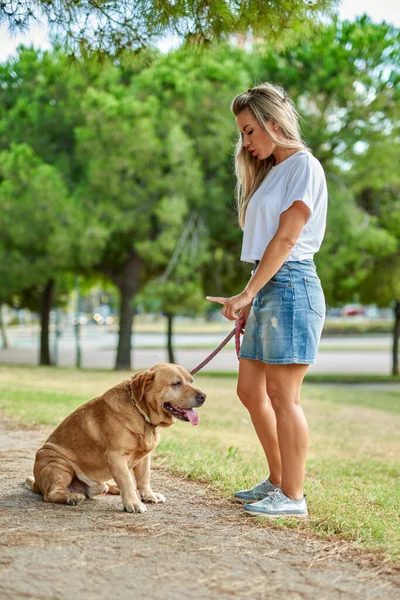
(238,329)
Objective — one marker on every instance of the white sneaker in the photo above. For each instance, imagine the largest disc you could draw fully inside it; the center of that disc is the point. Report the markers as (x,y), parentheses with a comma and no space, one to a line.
(276,504)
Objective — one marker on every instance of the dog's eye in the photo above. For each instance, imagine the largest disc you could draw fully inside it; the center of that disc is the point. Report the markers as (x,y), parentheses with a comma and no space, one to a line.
(177,383)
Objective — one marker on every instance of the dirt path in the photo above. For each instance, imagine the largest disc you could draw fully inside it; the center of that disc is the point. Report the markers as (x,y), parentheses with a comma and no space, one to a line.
(196,546)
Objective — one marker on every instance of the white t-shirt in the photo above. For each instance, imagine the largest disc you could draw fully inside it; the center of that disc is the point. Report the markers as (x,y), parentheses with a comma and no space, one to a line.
(299,177)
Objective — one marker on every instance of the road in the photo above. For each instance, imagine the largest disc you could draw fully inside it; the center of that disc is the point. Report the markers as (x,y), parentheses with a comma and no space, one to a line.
(354,355)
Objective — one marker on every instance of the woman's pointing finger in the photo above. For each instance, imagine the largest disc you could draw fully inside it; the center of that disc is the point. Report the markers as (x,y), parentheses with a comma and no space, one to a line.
(218,299)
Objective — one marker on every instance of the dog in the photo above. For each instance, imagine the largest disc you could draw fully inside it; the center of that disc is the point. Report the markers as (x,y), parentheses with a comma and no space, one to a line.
(112,437)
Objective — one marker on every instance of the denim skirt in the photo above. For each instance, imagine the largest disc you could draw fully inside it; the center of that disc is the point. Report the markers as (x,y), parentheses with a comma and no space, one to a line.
(285,322)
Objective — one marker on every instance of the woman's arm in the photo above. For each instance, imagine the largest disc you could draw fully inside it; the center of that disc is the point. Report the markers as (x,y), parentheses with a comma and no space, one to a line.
(290,226)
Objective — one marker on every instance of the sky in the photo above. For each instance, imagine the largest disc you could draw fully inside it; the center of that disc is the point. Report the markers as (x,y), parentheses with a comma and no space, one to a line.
(378,10)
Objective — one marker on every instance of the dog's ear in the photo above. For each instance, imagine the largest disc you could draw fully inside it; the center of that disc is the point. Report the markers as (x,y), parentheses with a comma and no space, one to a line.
(139,382)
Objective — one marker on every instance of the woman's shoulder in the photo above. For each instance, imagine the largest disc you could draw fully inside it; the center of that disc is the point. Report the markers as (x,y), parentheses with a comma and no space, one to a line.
(304,159)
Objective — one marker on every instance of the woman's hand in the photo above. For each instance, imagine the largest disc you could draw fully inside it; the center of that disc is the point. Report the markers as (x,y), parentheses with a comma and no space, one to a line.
(234,306)
(244,312)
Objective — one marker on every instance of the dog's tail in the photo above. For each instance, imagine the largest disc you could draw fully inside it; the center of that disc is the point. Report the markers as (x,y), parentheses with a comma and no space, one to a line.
(31,484)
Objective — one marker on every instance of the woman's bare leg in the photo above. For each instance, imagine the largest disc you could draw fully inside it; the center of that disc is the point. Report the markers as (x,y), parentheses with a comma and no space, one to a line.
(283,388)
(251,390)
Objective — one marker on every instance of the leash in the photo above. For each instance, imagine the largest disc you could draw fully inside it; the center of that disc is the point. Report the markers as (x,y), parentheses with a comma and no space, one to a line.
(238,329)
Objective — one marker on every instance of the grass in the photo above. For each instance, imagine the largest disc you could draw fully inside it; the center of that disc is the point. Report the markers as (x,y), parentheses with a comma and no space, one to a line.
(231,345)
(338,378)
(348,378)
(353,469)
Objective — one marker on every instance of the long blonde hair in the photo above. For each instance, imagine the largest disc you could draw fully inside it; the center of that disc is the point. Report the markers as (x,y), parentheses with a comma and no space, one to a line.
(267,102)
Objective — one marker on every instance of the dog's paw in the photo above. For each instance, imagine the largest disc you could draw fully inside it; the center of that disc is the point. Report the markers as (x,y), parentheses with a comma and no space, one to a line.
(113,489)
(74,499)
(152,497)
(138,507)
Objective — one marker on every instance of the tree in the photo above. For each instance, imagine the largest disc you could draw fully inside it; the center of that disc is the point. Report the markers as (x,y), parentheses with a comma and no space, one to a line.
(178,291)
(139,171)
(110,26)
(377,189)
(3,332)
(199,87)
(149,134)
(33,93)
(40,108)
(35,228)
(382,283)
(12,270)
(345,81)
(108,165)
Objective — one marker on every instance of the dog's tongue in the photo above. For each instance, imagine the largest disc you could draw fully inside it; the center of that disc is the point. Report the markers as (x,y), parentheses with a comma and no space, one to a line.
(192,416)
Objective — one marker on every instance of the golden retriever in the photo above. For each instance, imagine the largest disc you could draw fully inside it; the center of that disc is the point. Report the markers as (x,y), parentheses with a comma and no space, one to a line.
(112,436)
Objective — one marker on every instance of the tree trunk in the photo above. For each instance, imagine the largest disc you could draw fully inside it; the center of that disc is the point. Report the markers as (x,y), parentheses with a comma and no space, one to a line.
(128,288)
(45,306)
(3,329)
(77,326)
(170,319)
(396,335)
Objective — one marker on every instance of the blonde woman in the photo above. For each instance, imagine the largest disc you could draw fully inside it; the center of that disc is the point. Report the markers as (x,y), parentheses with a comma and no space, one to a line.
(282,204)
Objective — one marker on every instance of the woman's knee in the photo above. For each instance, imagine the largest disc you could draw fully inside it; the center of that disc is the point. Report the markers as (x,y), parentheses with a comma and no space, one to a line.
(248,398)
(282,399)
(251,384)
(283,384)
(244,395)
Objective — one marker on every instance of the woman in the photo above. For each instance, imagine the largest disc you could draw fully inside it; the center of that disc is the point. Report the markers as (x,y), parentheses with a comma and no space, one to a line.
(282,203)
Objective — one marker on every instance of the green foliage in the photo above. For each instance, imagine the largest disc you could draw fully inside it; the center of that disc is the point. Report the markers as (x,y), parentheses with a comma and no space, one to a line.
(345,80)
(352,244)
(35,221)
(200,87)
(39,106)
(139,175)
(384,205)
(174,297)
(143,147)
(107,27)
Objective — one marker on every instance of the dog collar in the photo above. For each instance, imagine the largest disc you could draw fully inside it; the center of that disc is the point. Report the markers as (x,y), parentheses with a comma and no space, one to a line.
(136,405)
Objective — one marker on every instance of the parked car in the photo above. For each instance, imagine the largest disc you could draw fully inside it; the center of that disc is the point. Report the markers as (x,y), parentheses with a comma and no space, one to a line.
(353,310)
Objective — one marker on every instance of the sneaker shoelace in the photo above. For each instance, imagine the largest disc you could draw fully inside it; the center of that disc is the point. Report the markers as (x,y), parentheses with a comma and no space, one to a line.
(275,495)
